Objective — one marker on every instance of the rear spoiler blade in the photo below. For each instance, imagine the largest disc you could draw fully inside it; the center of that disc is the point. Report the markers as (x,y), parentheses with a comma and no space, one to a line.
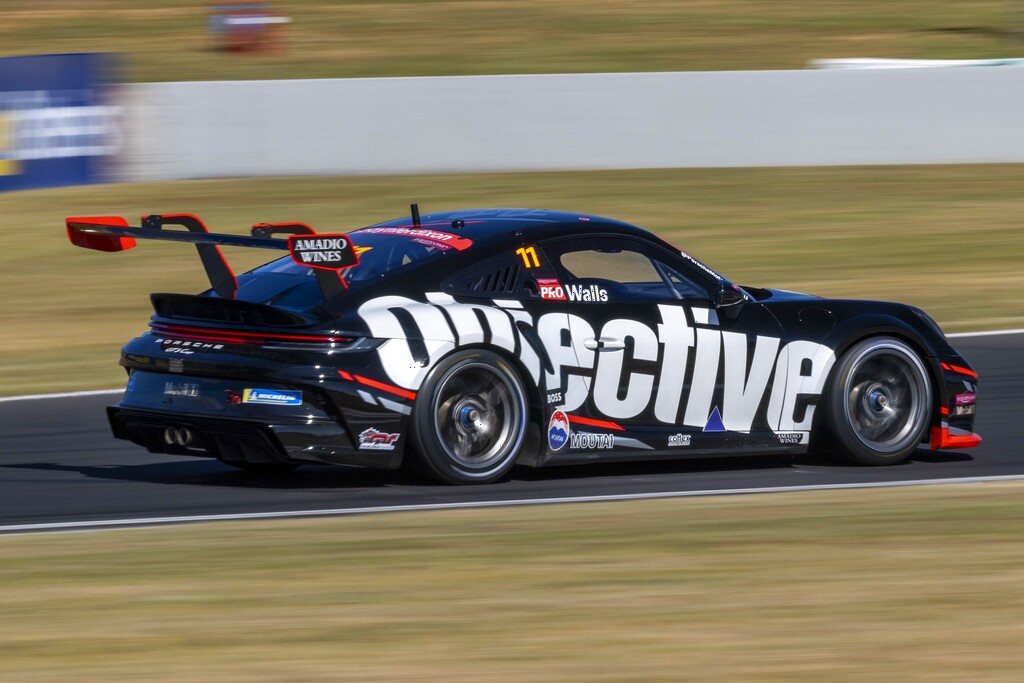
(326,254)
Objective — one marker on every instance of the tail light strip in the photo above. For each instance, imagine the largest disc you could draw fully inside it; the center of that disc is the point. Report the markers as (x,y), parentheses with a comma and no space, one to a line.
(240,337)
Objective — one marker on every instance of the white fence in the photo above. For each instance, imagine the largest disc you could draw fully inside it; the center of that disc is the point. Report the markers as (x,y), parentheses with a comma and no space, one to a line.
(587,121)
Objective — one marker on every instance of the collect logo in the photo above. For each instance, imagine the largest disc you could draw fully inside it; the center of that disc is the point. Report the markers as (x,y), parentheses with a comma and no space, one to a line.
(272,397)
(679,440)
(558,430)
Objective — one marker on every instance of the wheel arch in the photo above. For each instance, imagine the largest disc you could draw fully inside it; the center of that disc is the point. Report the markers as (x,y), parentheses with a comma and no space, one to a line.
(855,330)
(530,453)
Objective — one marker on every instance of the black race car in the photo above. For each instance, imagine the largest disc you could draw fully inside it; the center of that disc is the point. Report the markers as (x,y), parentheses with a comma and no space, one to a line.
(466,342)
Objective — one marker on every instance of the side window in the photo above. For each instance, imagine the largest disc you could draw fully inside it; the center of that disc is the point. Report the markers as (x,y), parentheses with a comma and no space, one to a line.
(505,276)
(621,269)
(685,287)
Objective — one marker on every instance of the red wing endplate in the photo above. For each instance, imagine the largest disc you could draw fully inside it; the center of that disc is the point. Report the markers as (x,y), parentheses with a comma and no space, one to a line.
(327,254)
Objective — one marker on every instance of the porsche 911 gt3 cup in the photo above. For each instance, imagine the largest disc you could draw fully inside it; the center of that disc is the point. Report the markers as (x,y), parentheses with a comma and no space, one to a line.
(467,342)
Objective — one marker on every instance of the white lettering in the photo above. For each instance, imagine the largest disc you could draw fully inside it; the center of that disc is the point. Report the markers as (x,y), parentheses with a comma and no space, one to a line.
(396,355)
(743,394)
(790,384)
(610,378)
(591,442)
(677,337)
(705,374)
(573,356)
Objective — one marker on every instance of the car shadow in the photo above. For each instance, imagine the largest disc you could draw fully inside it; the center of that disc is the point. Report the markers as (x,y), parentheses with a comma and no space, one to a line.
(208,472)
(212,473)
(630,468)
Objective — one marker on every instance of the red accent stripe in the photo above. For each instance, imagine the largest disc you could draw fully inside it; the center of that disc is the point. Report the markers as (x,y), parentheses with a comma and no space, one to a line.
(604,424)
(238,336)
(346,376)
(944,410)
(959,369)
(941,438)
(389,388)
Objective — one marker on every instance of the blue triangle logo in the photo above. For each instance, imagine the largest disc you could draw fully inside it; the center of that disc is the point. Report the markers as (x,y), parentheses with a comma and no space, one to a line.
(714,423)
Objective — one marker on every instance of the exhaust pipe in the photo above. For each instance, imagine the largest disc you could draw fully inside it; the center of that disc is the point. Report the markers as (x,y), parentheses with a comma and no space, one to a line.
(181,436)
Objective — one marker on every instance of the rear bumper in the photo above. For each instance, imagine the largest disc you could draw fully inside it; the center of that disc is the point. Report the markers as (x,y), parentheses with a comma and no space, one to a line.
(245,441)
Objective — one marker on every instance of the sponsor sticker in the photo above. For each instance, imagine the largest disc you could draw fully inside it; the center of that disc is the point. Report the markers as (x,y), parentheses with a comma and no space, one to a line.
(554,397)
(276,397)
(176,365)
(181,389)
(329,252)
(964,410)
(586,441)
(551,289)
(678,440)
(677,370)
(433,238)
(375,440)
(558,430)
(714,423)
(790,437)
(967,399)
(700,265)
(586,293)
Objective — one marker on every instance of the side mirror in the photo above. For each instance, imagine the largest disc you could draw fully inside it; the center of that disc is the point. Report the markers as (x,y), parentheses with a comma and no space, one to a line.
(729,299)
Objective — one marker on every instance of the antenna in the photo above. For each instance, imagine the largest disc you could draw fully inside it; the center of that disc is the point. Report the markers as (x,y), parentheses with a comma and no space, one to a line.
(415,215)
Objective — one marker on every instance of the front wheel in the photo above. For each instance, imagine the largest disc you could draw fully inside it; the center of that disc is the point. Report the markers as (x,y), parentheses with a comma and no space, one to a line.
(469,420)
(879,402)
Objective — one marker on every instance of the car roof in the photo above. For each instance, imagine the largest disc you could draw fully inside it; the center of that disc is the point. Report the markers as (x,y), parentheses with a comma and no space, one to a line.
(493,225)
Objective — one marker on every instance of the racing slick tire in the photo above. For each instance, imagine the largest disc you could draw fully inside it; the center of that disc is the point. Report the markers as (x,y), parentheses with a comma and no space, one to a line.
(469,419)
(878,402)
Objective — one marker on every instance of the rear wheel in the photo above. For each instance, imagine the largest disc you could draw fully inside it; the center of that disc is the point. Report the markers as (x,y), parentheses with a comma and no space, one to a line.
(469,420)
(879,402)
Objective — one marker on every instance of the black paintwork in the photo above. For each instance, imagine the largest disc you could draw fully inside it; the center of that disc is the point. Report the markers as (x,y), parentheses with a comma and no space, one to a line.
(346,391)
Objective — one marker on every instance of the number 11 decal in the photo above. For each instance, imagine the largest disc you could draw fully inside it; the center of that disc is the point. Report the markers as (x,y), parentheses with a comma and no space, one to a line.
(529,255)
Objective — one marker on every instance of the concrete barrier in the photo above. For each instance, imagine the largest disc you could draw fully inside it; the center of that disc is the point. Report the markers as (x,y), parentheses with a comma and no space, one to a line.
(586,121)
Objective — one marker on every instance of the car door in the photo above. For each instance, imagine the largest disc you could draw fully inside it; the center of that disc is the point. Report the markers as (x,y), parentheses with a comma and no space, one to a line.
(661,367)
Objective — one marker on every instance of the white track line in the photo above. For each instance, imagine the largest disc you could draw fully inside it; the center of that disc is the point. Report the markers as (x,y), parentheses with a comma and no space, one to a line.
(69,394)
(152,521)
(990,333)
(100,392)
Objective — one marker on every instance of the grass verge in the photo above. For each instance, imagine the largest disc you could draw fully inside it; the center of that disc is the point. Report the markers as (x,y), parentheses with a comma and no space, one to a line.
(946,238)
(918,584)
(167,40)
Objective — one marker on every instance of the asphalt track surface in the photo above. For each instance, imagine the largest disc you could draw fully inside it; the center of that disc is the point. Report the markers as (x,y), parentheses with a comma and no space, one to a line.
(59,467)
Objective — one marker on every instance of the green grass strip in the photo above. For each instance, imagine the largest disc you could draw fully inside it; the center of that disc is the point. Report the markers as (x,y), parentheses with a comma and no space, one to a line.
(919,584)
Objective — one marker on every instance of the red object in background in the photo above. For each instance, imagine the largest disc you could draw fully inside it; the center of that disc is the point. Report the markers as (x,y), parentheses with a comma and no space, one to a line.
(247,27)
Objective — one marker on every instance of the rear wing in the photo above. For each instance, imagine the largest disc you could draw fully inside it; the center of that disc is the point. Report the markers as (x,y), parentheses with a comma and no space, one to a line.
(327,254)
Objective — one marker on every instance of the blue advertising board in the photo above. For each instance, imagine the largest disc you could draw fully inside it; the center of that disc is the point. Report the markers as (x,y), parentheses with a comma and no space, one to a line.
(58,124)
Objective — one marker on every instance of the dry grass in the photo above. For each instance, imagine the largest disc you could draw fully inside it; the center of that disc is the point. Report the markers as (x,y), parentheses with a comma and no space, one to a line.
(167,40)
(918,584)
(944,238)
